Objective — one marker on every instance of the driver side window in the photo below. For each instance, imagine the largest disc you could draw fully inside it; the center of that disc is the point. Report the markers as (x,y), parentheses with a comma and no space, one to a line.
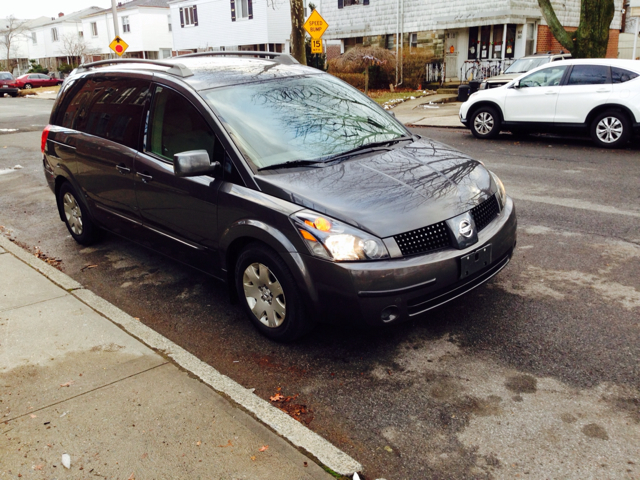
(547,77)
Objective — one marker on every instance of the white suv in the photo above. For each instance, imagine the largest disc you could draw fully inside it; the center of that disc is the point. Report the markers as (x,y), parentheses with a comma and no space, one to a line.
(600,97)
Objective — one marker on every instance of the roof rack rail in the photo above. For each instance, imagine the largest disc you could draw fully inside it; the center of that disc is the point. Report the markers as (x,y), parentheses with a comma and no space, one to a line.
(174,68)
(282,58)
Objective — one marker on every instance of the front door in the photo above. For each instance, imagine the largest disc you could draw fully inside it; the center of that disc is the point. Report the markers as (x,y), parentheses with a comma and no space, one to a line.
(181,209)
(535,98)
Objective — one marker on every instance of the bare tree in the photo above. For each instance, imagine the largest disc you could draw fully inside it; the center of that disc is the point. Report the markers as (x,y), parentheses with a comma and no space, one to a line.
(11,29)
(75,48)
(297,31)
(591,38)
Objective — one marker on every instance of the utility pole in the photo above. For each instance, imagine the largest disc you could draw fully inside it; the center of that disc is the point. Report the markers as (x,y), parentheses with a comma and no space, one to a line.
(114,12)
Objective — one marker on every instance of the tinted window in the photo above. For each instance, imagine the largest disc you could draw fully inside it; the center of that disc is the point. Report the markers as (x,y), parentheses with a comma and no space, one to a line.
(176,126)
(109,108)
(589,75)
(547,77)
(6,76)
(620,75)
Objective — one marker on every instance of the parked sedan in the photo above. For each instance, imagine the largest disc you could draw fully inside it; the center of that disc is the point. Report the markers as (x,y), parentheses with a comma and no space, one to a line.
(599,97)
(7,85)
(310,201)
(35,80)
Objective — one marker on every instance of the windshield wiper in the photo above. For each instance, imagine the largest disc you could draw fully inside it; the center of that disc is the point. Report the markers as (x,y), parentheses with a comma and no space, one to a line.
(290,164)
(373,147)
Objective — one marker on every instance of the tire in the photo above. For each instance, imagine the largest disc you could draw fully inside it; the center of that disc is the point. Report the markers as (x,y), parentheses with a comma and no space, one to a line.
(76,217)
(269,295)
(611,129)
(14,95)
(27,86)
(485,123)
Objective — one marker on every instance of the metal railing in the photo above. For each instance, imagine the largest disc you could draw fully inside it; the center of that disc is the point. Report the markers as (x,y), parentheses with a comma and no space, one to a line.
(478,70)
(435,72)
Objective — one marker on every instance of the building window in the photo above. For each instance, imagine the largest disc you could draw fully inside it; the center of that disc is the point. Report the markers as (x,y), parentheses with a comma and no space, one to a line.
(389,42)
(241,9)
(34,38)
(94,29)
(54,34)
(189,16)
(347,3)
(169,20)
(349,43)
(413,40)
(126,27)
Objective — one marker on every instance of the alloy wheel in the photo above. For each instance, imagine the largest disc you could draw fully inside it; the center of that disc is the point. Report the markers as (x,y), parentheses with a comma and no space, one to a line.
(483,123)
(609,129)
(72,213)
(28,86)
(264,295)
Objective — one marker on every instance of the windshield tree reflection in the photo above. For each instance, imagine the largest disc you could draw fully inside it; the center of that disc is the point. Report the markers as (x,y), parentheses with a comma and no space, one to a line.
(301,118)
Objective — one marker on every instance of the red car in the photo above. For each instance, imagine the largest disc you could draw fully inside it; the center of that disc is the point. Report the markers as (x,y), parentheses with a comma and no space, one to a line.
(7,85)
(34,80)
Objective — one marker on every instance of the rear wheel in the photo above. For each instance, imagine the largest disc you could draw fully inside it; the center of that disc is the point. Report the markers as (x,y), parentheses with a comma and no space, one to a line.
(611,129)
(269,295)
(485,123)
(27,86)
(75,216)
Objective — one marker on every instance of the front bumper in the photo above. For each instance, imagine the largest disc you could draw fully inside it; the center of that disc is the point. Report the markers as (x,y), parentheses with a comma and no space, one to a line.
(391,291)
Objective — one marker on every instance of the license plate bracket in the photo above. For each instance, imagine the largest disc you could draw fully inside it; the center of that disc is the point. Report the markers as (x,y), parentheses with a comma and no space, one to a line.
(475,261)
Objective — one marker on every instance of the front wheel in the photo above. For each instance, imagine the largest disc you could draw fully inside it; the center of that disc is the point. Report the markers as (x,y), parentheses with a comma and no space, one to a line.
(611,129)
(485,123)
(269,295)
(75,216)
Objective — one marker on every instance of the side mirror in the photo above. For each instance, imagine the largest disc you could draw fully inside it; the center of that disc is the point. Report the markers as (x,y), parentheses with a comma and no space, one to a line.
(515,85)
(193,164)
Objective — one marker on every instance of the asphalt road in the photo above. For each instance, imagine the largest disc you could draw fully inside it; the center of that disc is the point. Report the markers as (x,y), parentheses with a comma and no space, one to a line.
(533,375)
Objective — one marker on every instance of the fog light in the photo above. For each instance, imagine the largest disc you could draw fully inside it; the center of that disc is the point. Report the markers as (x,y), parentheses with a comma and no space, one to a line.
(390,314)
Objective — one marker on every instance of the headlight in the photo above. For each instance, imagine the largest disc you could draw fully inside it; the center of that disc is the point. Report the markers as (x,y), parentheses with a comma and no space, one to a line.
(335,240)
(501,193)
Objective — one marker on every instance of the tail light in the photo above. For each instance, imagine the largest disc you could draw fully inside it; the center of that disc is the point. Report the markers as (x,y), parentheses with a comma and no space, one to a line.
(45,135)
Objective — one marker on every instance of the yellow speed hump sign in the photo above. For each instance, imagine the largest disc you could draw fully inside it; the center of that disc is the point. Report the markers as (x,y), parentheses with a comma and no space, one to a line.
(119,46)
(315,25)
(316,46)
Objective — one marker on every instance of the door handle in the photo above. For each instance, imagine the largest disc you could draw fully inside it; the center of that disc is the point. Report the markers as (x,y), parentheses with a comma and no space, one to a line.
(550,93)
(123,169)
(145,177)
(602,91)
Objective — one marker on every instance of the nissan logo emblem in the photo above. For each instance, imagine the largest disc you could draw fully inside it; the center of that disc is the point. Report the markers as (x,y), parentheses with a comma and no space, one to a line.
(465,228)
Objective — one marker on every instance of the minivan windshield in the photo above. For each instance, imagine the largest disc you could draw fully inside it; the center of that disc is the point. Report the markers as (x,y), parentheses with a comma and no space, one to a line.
(300,119)
(525,64)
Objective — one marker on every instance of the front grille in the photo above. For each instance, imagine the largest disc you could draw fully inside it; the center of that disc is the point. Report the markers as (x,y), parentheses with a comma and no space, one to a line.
(426,239)
(485,212)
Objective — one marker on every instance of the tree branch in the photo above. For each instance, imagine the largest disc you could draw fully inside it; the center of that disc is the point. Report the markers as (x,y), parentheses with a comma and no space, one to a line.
(564,37)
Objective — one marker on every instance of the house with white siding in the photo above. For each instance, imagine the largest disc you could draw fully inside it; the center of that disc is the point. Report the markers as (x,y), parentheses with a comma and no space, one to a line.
(47,43)
(260,25)
(21,43)
(456,32)
(145,25)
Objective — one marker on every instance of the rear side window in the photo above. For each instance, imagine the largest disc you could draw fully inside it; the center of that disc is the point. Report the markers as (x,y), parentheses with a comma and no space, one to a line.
(620,75)
(176,126)
(589,75)
(109,108)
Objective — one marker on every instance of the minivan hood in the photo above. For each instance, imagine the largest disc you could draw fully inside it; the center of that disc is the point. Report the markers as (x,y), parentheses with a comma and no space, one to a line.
(390,192)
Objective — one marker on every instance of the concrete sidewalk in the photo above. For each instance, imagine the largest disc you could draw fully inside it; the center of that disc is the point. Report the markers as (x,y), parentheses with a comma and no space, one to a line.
(431,111)
(76,381)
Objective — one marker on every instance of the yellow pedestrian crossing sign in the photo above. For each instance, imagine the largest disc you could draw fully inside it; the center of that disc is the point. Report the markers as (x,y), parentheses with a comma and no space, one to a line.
(118,45)
(315,25)
(316,46)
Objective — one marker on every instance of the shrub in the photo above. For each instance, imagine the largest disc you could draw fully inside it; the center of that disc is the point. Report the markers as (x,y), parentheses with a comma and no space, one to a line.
(37,68)
(415,71)
(66,68)
(353,79)
(380,62)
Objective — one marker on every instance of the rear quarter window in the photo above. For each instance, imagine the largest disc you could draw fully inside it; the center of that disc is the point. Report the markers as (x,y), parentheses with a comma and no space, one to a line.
(620,75)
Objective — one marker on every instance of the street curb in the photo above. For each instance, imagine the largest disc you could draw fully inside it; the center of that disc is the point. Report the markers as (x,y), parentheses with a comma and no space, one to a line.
(283,424)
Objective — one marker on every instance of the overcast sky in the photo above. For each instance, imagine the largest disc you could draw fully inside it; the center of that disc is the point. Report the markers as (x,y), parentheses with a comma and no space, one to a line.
(28,9)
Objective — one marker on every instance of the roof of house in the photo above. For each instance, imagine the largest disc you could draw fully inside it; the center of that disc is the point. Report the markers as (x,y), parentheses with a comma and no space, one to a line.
(134,4)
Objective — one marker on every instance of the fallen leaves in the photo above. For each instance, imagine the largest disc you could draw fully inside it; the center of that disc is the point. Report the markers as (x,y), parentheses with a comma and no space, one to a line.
(54,262)
(68,384)
(86,267)
(297,411)
(198,443)
(264,448)
(229,444)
